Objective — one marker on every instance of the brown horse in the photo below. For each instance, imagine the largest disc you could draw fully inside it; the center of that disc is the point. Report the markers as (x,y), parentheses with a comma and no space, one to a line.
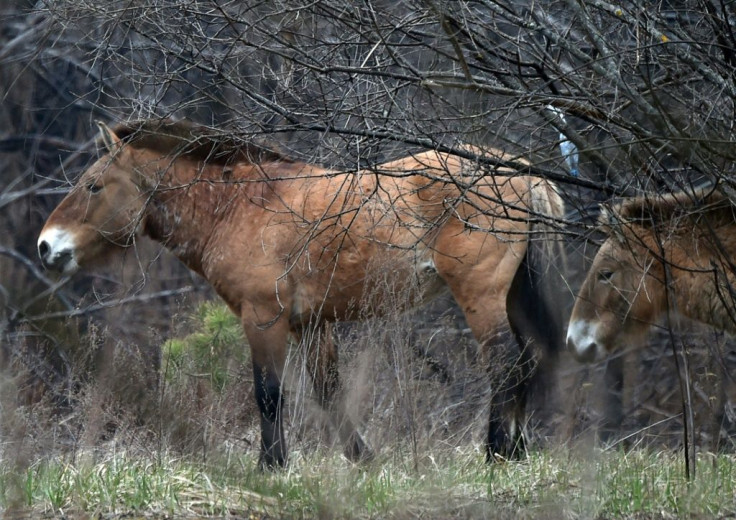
(287,245)
(672,252)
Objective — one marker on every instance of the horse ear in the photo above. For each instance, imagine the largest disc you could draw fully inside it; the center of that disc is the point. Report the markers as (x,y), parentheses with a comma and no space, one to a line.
(607,216)
(610,221)
(109,138)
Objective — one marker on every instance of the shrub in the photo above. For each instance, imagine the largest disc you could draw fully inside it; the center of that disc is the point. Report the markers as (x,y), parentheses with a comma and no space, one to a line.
(213,352)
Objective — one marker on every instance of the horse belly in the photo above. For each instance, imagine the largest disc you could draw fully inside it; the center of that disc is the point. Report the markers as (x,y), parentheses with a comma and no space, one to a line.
(387,283)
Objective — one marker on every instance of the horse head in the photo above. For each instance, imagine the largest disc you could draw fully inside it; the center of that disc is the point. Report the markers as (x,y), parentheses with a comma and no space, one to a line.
(101,213)
(623,292)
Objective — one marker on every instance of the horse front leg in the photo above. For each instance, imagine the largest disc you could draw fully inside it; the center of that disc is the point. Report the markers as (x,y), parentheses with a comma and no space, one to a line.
(322,364)
(268,354)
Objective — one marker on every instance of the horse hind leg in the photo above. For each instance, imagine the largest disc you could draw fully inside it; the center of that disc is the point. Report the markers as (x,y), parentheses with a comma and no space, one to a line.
(322,364)
(510,371)
(480,290)
(508,363)
(537,340)
(529,358)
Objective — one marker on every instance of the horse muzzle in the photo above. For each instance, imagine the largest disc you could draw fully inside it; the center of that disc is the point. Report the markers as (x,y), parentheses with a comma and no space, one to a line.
(582,343)
(56,251)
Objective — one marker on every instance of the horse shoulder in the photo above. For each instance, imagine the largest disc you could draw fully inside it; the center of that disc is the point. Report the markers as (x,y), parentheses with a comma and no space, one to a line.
(246,256)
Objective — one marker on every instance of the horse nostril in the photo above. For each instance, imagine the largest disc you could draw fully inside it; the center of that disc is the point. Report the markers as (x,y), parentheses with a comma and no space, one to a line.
(43,249)
(588,353)
(583,353)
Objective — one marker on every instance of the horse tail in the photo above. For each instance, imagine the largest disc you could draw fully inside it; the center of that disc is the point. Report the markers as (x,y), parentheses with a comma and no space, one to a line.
(535,315)
(545,239)
(536,302)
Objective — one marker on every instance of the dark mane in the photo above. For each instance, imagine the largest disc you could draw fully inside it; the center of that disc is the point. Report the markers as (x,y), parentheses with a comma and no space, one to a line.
(661,209)
(183,138)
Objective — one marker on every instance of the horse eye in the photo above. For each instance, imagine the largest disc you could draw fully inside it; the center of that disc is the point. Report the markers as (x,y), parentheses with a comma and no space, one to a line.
(94,188)
(605,275)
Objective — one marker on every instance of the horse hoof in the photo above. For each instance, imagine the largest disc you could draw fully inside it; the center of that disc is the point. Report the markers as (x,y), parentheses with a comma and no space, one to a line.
(360,453)
(493,456)
(270,463)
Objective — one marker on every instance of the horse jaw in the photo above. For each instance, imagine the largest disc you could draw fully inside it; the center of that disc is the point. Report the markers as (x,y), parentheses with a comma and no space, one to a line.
(56,248)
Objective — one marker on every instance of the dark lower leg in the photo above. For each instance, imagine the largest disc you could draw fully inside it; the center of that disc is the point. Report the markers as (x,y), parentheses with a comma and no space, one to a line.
(510,372)
(270,403)
(505,430)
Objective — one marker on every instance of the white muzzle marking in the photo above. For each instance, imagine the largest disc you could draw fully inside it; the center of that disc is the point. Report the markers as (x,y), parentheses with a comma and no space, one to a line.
(56,248)
(582,341)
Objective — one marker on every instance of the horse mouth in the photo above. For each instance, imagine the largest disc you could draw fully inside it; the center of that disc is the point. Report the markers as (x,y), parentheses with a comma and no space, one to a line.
(583,354)
(56,249)
(62,261)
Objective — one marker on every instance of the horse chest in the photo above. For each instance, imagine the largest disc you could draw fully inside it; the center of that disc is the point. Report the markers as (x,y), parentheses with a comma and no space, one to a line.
(233,271)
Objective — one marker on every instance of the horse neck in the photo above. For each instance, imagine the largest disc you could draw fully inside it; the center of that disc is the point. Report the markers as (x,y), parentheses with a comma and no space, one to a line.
(185,206)
(704,283)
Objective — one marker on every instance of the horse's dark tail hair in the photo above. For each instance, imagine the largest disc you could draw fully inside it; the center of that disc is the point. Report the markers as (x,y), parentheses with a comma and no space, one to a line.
(538,297)
(545,263)
(535,318)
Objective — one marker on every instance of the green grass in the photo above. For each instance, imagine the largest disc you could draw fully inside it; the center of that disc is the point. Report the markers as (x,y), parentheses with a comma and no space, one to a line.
(560,484)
